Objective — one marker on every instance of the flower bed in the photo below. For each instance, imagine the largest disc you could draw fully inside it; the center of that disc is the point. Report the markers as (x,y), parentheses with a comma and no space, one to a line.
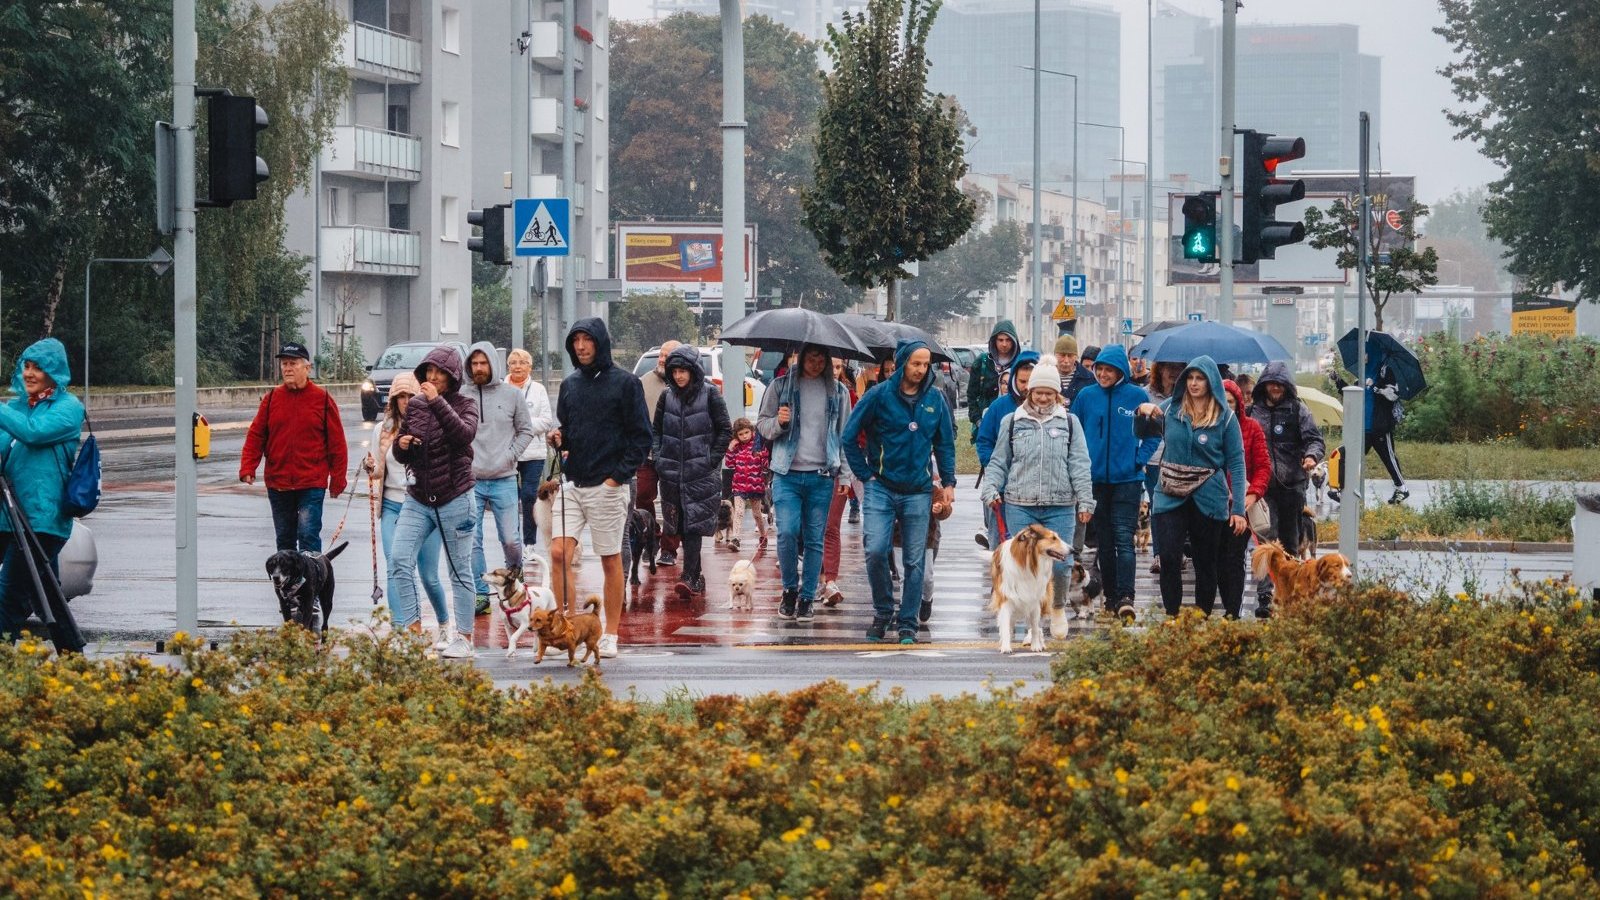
(1379,745)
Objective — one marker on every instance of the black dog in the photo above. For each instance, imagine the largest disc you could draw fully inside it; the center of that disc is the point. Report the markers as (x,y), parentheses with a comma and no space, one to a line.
(304,584)
(644,538)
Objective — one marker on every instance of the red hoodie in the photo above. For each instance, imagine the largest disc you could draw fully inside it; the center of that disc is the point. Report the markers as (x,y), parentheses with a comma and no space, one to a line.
(1257,461)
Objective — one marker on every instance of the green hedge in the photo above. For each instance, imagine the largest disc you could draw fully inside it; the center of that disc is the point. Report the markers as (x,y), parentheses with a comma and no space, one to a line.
(1534,390)
(1377,745)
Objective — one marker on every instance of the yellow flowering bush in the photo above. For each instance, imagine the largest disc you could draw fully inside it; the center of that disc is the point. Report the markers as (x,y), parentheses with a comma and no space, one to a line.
(1376,745)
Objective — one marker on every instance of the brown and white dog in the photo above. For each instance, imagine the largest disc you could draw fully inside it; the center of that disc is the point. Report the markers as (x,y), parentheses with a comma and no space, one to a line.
(518,602)
(570,632)
(742,586)
(1295,581)
(1141,535)
(1021,573)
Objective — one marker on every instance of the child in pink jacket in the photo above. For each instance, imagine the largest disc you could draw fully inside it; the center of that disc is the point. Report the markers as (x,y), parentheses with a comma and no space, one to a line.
(747,457)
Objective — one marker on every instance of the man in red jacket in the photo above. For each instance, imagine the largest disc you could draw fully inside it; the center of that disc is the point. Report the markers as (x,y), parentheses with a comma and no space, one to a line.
(297,430)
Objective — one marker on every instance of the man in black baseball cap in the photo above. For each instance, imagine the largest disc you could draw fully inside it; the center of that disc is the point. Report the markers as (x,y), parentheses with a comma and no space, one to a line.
(292,350)
(297,430)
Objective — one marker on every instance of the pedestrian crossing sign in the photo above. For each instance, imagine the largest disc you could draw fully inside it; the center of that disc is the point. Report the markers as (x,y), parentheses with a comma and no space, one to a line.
(543,226)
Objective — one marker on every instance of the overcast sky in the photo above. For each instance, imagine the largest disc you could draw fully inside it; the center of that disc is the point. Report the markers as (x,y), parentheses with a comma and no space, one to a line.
(1415,138)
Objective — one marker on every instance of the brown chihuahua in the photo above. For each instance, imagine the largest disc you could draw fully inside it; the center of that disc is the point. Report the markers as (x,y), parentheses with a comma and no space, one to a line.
(568,632)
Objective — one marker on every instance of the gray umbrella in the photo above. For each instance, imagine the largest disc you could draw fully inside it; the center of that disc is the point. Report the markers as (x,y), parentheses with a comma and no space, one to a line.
(883,337)
(788,328)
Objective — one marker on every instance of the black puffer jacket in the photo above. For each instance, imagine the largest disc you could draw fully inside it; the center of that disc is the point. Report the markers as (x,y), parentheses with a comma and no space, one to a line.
(691,435)
(1292,432)
(605,428)
(441,465)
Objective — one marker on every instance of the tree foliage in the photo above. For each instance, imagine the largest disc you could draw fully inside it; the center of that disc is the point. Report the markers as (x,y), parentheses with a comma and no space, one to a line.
(666,144)
(951,281)
(1528,76)
(889,153)
(1399,268)
(646,320)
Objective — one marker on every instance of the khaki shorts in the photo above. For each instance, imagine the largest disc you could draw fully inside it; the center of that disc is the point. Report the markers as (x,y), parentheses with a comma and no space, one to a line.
(601,509)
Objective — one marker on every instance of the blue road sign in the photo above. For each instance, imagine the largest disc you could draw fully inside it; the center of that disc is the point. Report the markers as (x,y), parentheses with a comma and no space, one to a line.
(543,226)
(1311,340)
(1197,317)
(1127,326)
(1076,286)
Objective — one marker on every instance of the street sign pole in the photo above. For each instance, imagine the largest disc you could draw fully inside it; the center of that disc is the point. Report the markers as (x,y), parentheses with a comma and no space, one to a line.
(733,128)
(1355,395)
(186,577)
(1225,248)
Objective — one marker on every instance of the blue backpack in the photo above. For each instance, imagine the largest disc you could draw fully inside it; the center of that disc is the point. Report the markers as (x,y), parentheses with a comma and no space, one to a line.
(82,493)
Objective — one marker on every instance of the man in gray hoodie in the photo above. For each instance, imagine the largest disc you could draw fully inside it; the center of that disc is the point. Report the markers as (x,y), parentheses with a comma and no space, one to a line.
(504,431)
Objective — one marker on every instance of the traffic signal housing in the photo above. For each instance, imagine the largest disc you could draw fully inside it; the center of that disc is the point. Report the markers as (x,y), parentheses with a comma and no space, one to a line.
(234,168)
(492,243)
(1200,227)
(1264,191)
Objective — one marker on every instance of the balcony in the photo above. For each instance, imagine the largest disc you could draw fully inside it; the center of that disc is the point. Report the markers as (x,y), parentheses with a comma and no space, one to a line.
(545,122)
(544,44)
(363,249)
(550,186)
(361,152)
(376,54)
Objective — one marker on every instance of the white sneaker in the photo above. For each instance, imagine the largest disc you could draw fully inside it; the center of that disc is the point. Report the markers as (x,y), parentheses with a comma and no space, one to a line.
(608,646)
(459,648)
(441,638)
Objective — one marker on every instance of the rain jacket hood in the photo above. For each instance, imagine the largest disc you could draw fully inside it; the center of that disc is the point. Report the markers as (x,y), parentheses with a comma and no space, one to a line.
(1025,358)
(497,366)
(1116,455)
(1207,367)
(594,328)
(48,354)
(1219,446)
(903,352)
(1276,372)
(448,359)
(1116,356)
(1005,327)
(505,429)
(1290,429)
(902,432)
(605,427)
(1236,393)
(687,358)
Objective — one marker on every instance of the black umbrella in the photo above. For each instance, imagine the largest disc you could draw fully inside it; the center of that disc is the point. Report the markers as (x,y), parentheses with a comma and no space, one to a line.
(1150,328)
(883,337)
(1383,349)
(787,328)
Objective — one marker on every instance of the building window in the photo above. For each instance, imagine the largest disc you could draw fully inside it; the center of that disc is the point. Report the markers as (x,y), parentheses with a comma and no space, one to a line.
(450,310)
(449,214)
(450,125)
(450,32)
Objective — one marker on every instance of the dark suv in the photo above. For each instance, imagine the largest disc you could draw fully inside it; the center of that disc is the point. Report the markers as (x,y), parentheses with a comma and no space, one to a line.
(401,357)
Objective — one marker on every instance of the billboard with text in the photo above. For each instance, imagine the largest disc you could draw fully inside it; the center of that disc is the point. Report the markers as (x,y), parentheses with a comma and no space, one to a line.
(685,257)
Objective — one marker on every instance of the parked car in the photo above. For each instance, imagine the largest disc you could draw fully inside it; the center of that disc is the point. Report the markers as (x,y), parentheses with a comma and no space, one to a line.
(711,363)
(958,375)
(396,358)
(964,355)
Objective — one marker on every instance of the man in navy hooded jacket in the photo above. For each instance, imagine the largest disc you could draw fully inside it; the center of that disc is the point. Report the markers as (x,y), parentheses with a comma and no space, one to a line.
(905,422)
(1116,465)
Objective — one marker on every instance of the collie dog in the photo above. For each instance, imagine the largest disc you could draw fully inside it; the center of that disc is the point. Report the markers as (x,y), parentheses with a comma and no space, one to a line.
(1021,573)
(1295,581)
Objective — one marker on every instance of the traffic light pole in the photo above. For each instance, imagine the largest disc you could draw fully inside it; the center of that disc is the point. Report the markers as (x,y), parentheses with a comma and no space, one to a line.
(520,74)
(569,165)
(733,127)
(1353,485)
(1225,248)
(187,574)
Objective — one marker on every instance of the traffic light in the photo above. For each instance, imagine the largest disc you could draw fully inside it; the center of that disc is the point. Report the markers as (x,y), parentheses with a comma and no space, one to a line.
(1200,227)
(492,243)
(234,167)
(1263,191)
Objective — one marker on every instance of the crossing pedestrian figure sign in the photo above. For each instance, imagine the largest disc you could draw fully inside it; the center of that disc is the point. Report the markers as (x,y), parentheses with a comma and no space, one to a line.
(542,226)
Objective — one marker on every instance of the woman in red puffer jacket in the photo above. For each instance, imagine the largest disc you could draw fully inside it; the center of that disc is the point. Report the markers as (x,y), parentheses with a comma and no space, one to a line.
(1257,473)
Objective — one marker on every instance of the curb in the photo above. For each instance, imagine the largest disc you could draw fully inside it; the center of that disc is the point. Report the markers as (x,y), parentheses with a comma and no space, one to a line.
(1462,546)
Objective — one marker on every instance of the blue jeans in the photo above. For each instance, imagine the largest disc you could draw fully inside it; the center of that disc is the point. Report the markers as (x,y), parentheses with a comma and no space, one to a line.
(801,501)
(417,522)
(1116,515)
(1063,520)
(881,508)
(499,495)
(529,473)
(427,570)
(297,518)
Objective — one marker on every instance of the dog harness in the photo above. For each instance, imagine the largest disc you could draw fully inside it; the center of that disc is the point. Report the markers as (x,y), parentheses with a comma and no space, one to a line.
(527,600)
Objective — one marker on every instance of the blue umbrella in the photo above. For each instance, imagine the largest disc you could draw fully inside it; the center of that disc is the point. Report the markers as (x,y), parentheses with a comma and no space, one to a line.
(1384,350)
(1223,343)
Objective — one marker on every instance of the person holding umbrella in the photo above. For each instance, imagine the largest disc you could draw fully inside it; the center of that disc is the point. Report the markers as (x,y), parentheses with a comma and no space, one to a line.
(1384,412)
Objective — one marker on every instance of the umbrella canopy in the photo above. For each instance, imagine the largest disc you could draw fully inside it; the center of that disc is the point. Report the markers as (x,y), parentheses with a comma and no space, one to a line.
(883,337)
(1326,410)
(787,328)
(1150,328)
(1223,343)
(1384,349)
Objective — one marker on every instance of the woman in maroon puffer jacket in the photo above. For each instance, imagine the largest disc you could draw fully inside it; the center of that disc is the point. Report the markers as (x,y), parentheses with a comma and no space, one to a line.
(435,446)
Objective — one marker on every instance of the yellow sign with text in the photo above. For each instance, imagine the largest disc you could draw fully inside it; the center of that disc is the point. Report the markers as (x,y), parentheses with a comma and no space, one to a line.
(1540,316)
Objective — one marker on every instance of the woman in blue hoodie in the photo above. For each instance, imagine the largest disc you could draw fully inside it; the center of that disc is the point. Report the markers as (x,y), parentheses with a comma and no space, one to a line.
(1203,453)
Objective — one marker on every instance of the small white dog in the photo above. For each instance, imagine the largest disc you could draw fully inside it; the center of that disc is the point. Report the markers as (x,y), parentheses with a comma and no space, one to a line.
(742,586)
(517,602)
(1021,576)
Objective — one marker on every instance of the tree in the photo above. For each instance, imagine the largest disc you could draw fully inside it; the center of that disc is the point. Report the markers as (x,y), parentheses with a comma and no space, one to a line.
(666,100)
(645,320)
(1527,74)
(951,280)
(1396,266)
(889,154)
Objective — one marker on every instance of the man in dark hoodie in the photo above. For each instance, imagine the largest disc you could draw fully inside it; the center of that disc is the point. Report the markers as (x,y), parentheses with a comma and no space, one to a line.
(603,430)
(905,422)
(984,386)
(1295,444)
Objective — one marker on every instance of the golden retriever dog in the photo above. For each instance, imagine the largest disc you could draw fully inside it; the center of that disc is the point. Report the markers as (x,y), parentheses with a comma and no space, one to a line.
(1297,581)
(1021,573)
(742,586)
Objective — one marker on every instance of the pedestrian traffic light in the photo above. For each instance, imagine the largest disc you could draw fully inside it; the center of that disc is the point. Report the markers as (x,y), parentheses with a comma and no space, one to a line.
(492,243)
(234,168)
(1200,227)
(1263,191)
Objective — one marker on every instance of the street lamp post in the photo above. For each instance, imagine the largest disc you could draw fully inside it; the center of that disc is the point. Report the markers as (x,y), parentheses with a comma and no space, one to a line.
(1073,227)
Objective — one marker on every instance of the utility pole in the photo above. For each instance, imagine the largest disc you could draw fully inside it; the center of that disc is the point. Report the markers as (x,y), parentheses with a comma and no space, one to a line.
(1225,249)
(569,163)
(1037,299)
(186,577)
(1353,485)
(520,26)
(733,127)
(1149,160)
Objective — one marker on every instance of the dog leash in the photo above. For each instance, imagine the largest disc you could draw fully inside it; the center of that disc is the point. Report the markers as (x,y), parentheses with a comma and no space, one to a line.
(372,503)
(349,500)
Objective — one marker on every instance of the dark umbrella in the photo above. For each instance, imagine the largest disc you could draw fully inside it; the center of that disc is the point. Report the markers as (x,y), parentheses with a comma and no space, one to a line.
(1150,328)
(883,337)
(1223,343)
(787,328)
(1384,349)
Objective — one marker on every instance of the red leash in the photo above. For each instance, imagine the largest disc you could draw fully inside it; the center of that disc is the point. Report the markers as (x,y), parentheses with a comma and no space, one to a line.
(999,518)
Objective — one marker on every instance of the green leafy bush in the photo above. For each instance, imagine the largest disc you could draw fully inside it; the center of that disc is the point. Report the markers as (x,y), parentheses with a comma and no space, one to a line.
(1470,510)
(1534,390)
(1375,745)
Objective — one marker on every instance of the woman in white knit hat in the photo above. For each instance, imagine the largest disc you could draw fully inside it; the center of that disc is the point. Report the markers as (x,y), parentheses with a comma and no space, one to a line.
(1040,471)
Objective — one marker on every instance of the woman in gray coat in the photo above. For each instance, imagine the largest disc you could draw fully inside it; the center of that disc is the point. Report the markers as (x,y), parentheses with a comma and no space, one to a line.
(692,433)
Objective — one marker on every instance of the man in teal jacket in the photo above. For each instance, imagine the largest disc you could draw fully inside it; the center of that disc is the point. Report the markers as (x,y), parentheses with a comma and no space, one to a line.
(38,444)
(1116,461)
(905,423)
